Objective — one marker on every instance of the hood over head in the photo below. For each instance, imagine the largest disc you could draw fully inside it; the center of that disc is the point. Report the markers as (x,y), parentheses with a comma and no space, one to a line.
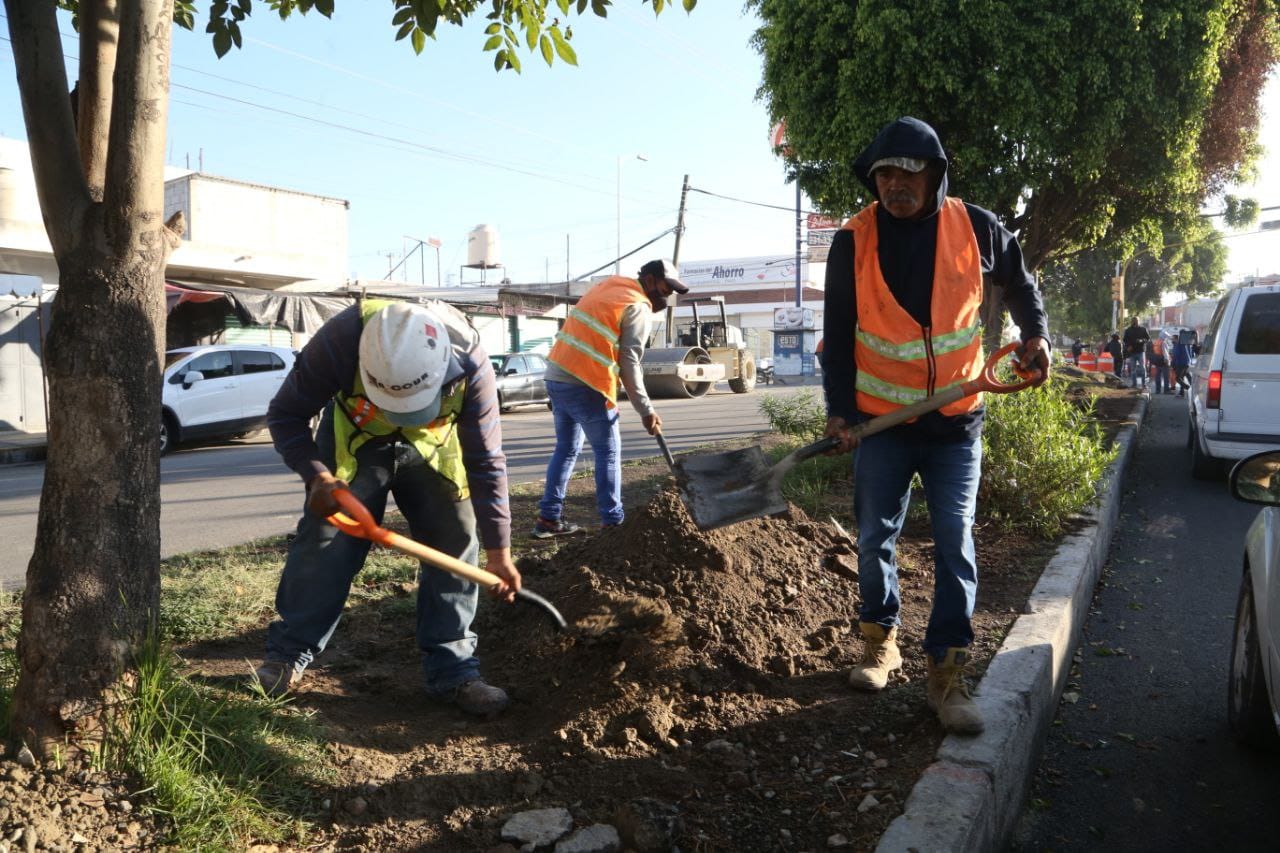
(906,137)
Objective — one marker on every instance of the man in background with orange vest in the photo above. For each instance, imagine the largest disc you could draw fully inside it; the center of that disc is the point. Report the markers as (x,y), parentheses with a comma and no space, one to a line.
(601,344)
(903,293)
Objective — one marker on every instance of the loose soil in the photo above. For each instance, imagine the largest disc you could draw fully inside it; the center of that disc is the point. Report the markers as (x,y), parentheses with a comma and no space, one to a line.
(699,696)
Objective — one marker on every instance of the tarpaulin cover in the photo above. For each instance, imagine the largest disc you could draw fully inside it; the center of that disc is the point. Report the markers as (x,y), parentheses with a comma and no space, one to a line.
(194,316)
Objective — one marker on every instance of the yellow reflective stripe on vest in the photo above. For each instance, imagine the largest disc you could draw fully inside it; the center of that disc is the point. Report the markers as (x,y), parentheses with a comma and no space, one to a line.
(600,328)
(586,349)
(959,339)
(910,351)
(900,394)
(914,350)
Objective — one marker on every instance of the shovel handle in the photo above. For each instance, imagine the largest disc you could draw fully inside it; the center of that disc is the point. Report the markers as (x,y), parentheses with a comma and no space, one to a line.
(358,521)
(666,451)
(985,381)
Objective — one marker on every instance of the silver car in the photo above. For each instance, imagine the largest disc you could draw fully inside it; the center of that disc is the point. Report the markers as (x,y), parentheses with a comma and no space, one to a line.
(1254,698)
(520,382)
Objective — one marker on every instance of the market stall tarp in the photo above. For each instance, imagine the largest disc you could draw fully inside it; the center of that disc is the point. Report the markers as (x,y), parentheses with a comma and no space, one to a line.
(199,310)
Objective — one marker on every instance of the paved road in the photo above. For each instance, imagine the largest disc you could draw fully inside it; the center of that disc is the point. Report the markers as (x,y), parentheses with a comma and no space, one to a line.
(1143,759)
(223,494)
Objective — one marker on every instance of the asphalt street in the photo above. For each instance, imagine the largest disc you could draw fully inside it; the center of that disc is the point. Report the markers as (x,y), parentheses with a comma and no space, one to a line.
(222,494)
(1140,757)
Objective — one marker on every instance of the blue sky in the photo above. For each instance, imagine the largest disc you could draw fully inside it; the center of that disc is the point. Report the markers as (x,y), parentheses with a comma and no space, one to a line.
(433,145)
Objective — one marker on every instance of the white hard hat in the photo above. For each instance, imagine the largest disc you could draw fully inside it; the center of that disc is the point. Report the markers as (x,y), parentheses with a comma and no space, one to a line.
(404,354)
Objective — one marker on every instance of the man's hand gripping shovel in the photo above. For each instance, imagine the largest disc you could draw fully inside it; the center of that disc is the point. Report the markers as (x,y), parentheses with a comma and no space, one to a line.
(357,521)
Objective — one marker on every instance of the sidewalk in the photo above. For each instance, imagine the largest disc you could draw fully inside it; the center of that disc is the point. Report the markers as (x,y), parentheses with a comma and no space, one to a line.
(18,447)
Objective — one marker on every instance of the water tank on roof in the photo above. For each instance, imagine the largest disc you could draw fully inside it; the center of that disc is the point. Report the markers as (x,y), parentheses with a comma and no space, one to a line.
(483,248)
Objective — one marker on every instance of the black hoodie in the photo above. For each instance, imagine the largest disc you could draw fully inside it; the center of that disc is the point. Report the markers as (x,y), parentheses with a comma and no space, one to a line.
(906,253)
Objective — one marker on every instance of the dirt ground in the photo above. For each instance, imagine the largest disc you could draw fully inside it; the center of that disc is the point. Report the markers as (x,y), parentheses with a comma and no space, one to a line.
(698,700)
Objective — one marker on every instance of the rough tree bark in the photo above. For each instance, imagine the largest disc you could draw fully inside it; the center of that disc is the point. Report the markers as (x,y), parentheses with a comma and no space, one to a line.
(92,592)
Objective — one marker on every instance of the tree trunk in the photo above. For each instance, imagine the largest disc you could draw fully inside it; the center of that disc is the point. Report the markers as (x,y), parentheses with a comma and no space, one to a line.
(93,583)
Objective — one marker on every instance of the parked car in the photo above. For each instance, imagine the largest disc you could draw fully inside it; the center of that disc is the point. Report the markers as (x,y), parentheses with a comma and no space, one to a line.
(1234,400)
(1253,707)
(520,380)
(219,391)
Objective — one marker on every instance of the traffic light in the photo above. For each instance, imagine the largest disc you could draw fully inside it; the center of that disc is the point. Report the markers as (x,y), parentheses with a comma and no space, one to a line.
(1117,289)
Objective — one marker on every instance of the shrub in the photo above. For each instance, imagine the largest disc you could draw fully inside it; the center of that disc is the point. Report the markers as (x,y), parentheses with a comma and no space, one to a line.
(1042,456)
(800,415)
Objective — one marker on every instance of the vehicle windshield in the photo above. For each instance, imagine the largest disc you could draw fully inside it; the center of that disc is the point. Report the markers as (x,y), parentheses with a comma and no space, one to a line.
(172,358)
(496,361)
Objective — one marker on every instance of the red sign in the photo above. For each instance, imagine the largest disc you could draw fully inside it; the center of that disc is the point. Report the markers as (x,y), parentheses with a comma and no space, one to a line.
(778,137)
(819,222)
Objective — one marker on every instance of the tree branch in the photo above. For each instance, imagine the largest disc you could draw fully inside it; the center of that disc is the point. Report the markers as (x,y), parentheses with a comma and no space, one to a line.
(46,109)
(99,35)
(134,189)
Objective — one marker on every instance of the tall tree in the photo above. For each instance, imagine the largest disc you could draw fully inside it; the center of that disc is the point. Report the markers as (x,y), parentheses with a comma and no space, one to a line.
(93,583)
(1068,120)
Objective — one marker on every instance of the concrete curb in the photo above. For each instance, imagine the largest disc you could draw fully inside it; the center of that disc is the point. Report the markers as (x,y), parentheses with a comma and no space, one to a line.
(969,799)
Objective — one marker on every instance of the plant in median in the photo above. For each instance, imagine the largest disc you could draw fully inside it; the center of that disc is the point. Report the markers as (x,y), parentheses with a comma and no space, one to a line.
(1042,456)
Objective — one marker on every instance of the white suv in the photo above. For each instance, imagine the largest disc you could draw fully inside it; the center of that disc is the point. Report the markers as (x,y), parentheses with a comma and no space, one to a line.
(1234,402)
(216,391)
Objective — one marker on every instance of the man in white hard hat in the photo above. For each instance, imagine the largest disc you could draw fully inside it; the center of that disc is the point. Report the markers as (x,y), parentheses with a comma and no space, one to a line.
(599,347)
(411,410)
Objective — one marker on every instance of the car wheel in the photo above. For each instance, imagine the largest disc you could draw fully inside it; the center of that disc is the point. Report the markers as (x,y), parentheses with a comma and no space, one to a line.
(168,433)
(1248,707)
(1203,466)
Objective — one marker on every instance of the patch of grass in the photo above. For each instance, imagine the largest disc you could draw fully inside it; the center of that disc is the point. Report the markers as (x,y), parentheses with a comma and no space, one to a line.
(221,767)
(10,622)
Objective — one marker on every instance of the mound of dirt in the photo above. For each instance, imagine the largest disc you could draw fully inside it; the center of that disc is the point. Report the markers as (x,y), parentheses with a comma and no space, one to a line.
(662,613)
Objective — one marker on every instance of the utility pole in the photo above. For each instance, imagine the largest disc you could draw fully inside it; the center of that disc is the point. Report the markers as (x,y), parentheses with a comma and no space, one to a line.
(675,261)
(799,243)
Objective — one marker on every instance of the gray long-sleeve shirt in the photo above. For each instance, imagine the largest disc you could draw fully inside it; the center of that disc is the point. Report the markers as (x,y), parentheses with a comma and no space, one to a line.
(328,364)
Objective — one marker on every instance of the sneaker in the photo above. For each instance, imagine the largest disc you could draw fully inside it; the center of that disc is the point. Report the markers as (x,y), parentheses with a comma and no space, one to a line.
(543,529)
(478,698)
(277,677)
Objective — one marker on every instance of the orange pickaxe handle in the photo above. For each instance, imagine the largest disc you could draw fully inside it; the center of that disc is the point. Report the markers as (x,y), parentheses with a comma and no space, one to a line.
(357,521)
(985,381)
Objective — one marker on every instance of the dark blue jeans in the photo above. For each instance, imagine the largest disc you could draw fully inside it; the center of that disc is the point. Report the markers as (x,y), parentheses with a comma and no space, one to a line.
(883,466)
(581,411)
(322,563)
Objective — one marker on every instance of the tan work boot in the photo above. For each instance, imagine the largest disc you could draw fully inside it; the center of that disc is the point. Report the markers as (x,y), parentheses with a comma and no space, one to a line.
(880,657)
(949,695)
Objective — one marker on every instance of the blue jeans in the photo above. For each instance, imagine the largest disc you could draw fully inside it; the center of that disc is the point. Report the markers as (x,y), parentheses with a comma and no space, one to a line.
(1161,379)
(1137,369)
(882,469)
(322,563)
(578,411)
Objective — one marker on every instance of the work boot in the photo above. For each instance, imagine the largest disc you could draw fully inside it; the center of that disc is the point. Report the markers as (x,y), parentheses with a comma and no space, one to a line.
(880,657)
(277,677)
(477,698)
(948,694)
(543,529)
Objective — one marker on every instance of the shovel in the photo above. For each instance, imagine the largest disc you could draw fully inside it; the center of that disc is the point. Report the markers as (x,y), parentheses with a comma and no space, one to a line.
(724,488)
(357,521)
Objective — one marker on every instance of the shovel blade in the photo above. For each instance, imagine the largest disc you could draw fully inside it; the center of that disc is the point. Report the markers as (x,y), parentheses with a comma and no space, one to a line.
(720,489)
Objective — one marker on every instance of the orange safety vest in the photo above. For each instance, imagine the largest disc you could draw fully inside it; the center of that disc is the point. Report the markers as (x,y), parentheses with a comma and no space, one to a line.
(899,361)
(587,345)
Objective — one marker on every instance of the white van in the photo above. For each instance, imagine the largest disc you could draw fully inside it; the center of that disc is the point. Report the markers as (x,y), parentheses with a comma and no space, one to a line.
(1234,401)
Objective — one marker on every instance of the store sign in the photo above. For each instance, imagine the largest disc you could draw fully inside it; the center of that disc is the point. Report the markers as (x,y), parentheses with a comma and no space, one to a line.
(817,221)
(818,254)
(820,238)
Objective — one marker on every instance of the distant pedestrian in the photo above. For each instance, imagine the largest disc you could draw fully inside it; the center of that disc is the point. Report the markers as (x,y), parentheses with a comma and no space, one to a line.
(1076,349)
(1159,366)
(1115,349)
(1135,348)
(1180,358)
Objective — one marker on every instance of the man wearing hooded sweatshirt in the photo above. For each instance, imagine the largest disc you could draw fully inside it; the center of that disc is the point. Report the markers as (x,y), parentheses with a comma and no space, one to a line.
(903,292)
